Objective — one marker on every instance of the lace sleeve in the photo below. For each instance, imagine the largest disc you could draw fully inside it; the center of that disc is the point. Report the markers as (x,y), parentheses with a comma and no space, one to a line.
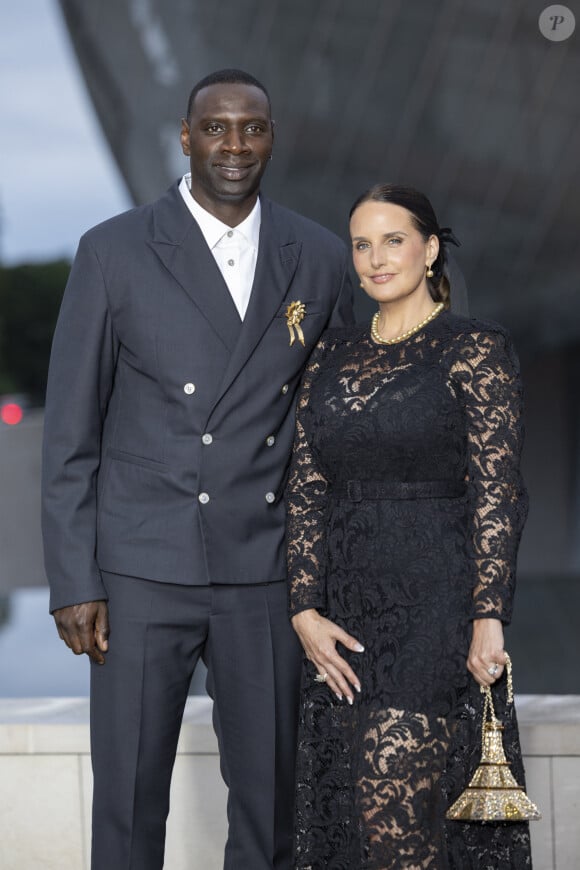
(488,373)
(306,507)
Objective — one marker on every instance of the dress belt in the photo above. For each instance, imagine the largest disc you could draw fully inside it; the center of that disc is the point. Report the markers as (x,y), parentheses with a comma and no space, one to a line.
(357,490)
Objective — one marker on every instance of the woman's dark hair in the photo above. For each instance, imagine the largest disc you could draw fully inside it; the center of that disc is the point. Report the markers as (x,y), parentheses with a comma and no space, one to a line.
(424,219)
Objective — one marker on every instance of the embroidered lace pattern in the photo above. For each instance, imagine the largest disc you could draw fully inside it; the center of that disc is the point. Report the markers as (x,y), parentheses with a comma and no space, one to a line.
(405,507)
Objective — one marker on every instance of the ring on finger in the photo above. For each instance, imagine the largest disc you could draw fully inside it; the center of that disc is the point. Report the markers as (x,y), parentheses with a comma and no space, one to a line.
(321,678)
(492,671)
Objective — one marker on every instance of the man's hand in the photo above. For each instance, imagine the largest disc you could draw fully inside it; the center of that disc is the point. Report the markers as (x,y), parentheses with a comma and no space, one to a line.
(319,637)
(85,628)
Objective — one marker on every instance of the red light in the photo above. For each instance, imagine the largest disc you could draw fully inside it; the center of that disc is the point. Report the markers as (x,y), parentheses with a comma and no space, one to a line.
(11,413)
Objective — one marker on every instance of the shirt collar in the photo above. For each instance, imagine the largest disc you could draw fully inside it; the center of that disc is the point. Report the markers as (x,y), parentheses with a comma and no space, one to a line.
(213,229)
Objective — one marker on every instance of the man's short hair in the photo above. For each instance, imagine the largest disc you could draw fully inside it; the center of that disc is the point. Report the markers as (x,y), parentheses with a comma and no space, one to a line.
(225,77)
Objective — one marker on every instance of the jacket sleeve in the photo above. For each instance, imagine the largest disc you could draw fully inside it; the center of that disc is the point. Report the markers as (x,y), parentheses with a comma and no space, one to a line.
(306,500)
(80,380)
(488,374)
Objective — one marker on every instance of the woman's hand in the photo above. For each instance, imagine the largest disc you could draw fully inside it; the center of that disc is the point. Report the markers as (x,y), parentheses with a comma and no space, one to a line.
(486,653)
(319,637)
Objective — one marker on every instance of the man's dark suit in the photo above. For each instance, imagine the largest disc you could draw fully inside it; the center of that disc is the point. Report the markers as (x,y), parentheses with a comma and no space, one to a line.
(168,430)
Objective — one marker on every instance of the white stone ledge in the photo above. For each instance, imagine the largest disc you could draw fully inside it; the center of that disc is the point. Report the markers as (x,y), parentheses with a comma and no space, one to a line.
(46,784)
(60,726)
(549,725)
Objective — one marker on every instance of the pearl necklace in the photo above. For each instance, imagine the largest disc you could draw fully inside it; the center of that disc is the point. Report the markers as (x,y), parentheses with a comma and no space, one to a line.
(380,340)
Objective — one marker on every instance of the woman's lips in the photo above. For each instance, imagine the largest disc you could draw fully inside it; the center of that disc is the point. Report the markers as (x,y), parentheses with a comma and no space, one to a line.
(382,279)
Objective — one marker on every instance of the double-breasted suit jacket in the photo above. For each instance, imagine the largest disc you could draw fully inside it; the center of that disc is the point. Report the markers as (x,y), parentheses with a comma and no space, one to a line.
(169,421)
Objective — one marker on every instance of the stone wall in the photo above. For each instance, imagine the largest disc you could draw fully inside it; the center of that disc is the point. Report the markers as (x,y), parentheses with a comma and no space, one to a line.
(46,782)
(45,785)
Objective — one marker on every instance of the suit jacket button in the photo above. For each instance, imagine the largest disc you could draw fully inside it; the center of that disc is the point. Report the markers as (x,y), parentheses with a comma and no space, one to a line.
(270,497)
(203,497)
(189,389)
(284,389)
(270,441)
(207,438)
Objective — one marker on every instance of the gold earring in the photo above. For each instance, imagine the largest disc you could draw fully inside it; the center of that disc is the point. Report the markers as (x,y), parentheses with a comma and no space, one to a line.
(429,272)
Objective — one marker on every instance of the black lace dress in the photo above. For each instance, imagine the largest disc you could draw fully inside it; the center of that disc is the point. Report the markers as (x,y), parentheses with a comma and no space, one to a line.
(405,507)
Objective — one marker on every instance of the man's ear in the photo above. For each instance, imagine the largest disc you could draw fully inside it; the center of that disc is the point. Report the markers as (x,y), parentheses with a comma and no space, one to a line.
(184,137)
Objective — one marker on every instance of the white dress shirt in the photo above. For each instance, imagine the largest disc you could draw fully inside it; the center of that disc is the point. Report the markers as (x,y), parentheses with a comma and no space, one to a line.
(235,249)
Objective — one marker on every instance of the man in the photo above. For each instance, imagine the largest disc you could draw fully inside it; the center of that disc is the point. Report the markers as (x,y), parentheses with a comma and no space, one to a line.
(168,430)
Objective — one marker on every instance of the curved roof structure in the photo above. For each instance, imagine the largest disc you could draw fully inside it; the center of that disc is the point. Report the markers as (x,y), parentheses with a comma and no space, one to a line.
(464,99)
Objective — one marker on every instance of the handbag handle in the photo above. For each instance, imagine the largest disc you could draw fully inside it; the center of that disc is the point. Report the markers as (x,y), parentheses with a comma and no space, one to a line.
(488,708)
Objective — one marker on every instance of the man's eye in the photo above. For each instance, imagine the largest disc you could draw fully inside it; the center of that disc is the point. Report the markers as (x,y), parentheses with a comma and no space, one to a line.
(395,241)
(213,128)
(254,128)
(361,246)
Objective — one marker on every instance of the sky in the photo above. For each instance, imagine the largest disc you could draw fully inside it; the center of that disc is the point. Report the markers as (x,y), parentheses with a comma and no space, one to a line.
(57,175)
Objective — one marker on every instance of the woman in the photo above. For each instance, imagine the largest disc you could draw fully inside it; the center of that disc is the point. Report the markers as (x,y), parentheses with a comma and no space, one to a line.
(405,508)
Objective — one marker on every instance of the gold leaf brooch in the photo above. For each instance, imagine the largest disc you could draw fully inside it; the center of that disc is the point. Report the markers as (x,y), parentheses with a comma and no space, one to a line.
(294,316)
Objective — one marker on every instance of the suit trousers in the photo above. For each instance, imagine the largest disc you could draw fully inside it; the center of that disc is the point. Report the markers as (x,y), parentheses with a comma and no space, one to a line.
(158,632)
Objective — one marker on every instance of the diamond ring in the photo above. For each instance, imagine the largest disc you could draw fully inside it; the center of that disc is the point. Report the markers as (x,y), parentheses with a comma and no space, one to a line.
(321,678)
(493,670)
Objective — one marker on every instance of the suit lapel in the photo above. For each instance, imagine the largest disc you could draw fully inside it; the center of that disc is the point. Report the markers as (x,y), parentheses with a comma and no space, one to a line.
(278,257)
(181,247)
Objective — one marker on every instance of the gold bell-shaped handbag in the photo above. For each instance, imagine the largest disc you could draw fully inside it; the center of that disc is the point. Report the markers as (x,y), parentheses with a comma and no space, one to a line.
(493,794)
